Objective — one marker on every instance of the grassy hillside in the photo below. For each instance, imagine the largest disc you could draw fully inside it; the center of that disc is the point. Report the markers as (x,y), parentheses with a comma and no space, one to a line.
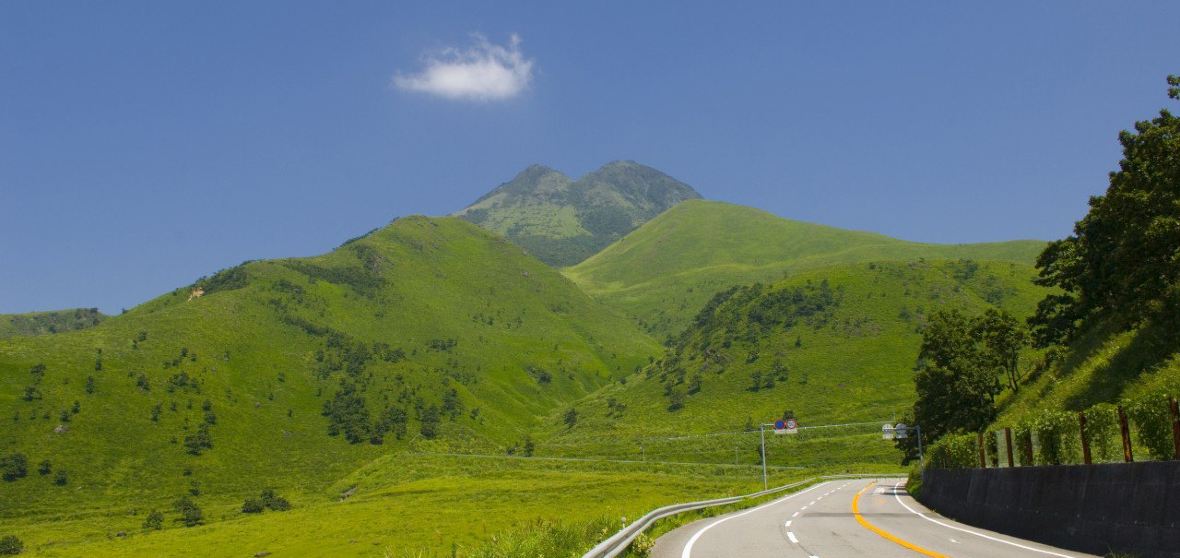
(58,321)
(662,273)
(834,345)
(1104,365)
(563,221)
(433,326)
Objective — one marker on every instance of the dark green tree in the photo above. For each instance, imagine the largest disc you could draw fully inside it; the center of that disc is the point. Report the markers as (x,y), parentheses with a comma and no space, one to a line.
(252,505)
(10,545)
(154,521)
(45,468)
(956,389)
(14,466)
(190,513)
(430,419)
(198,441)
(570,418)
(60,477)
(1002,337)
(1123,260)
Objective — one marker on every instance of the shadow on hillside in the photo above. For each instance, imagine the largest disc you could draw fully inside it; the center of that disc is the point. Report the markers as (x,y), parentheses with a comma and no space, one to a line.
(1153,344)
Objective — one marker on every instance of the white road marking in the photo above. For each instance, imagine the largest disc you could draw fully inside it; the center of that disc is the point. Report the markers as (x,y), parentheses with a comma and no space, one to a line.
(954,541)
(988,537)
(802,508)
(791,535)
(811,503)
(696,536)
(796,514)
(787,524)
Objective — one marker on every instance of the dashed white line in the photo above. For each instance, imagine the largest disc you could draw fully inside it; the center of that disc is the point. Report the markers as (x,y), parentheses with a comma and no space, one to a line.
(796,514)
(791,535)
(788,524)
(696,536)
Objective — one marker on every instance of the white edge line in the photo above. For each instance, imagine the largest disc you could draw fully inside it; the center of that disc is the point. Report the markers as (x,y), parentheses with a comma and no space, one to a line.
(988,537)
(688,547)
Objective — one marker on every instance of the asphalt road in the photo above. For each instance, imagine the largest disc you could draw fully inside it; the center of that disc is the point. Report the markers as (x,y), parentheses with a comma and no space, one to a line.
(839,519)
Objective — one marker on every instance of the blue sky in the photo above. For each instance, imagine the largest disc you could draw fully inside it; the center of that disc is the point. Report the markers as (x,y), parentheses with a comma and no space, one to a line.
(144,144)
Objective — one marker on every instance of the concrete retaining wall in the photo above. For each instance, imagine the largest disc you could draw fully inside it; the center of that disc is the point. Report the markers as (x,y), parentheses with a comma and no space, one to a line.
(1125,507)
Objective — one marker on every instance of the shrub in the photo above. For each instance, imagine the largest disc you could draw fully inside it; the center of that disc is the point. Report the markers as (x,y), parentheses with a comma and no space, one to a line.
(252,505)
(1102,431)
(1057,436)
(14,466)
(957,451)
(60,478)
(154,521)
(273,501)
(10,545)
(190,513)
(1153,424)
(45,467)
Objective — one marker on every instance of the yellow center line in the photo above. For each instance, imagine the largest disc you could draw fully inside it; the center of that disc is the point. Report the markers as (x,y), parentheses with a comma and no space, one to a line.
(887,536)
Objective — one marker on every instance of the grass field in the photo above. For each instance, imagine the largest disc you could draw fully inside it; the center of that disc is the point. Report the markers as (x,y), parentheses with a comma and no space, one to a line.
(407,505)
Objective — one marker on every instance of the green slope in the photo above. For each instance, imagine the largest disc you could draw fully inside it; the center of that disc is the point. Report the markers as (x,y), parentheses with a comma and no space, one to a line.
(563,221)
(662,273)
(425,313)
(57,321)
(835,345)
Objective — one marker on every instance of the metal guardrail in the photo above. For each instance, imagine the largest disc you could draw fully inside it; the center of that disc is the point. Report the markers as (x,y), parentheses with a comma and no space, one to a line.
(620,541)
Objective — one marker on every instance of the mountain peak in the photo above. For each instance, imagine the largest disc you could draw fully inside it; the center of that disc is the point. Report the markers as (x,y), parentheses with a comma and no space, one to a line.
(562,221)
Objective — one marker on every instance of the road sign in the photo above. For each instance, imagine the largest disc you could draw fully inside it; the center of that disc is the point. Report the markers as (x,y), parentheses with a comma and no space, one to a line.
(901,430)
(887,431)
(789,426)
(780,425)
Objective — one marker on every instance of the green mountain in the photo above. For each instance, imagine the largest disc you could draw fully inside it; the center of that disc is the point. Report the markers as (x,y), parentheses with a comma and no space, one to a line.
(662,273)
(563,221)
(835,344)
(428,334)
(57,321)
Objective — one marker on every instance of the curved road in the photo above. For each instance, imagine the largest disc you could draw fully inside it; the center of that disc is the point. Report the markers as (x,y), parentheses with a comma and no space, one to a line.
(841,519)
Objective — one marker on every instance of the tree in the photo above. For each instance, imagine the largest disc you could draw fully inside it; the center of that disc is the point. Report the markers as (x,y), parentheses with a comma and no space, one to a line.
(89,384)
(10,545)
(190,513)
(676,400)
(45,468)
(60,478)
(529,447)
(570,418)
(1123,259)
(956,391)
(273,501)
(431,419)
(154,521)
(1002,337)
(14,466)
(252,505)
(198,441)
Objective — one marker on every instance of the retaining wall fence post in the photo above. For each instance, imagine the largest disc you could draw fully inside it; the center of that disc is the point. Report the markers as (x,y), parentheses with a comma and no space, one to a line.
(982,456)
(1085,439)
(1175,407)
(1125,431)
(1008,444)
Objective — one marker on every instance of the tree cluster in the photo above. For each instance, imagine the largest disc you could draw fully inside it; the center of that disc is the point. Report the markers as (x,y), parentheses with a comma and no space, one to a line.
(962,365)
(1123,259)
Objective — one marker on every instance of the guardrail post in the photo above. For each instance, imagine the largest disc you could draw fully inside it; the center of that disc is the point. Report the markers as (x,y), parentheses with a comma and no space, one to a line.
(1085,438)
(982,453)
(1008,444)
(1027,458)
(1175,407)
(1125,431)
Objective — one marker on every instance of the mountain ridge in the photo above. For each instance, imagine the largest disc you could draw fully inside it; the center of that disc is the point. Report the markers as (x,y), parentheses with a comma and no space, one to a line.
(563,221)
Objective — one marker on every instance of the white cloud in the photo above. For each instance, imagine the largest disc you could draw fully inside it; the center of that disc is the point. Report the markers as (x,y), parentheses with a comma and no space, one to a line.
(483,72)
